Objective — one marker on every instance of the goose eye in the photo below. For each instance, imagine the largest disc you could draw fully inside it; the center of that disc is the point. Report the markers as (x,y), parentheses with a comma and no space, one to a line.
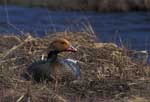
(63,43)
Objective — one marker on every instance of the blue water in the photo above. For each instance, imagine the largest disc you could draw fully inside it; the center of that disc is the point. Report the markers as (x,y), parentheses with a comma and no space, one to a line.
(131,29)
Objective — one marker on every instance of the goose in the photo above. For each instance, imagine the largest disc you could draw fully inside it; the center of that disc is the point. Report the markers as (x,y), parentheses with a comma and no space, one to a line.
(54,68)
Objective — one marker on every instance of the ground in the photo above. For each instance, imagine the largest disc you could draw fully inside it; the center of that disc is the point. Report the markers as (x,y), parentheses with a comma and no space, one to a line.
(108,73)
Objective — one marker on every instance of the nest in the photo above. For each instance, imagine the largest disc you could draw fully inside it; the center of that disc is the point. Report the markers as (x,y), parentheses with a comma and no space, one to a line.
(106,69)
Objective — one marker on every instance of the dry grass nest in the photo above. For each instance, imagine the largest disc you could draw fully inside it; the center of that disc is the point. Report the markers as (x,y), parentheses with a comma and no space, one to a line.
(107,71)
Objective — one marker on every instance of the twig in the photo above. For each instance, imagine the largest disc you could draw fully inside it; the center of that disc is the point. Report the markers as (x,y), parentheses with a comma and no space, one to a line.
(15,37)
(20,98)
(4,61)
(28,39)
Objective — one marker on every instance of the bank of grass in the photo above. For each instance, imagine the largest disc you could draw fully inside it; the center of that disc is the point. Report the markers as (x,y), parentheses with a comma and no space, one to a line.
(94,5)
(108,73)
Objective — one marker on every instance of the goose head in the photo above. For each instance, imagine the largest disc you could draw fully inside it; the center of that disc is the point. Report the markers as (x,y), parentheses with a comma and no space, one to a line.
(62,45)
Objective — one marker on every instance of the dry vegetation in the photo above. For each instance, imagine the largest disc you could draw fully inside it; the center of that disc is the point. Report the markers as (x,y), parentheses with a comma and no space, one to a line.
(96,5)
(108,73)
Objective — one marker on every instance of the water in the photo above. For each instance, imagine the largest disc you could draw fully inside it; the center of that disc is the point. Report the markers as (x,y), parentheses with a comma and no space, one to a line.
(132,29)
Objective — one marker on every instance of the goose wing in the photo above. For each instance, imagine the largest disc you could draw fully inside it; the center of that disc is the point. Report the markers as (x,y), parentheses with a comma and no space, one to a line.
(39,70)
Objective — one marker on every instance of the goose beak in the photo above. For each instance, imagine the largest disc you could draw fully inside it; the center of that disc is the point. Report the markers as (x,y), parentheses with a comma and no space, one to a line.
(71,49)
